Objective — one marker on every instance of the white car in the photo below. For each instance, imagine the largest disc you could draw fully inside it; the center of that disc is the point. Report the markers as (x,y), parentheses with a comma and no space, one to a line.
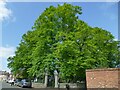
(7,80)
(11,82)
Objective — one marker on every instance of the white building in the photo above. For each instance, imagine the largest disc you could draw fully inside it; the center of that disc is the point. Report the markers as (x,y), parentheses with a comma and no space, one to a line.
(4,75)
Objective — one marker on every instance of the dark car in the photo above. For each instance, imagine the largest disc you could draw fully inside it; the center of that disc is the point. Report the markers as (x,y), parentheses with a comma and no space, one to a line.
(25,83)
(17,81)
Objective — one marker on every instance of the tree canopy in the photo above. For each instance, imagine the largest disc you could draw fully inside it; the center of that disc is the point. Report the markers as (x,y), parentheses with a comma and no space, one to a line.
(60,41)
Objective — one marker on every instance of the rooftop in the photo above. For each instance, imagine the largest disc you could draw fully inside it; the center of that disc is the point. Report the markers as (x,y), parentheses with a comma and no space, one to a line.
(3,72)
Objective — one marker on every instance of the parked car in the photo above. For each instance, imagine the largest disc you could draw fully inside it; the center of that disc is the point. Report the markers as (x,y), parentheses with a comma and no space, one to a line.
(11,82)
(7,81)
(17,81)
(25,83)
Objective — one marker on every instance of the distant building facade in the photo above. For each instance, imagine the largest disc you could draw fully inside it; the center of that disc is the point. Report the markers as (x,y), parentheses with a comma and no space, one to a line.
(4,75)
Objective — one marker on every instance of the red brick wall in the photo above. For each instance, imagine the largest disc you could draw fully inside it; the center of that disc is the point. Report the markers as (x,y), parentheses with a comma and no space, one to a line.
(119,79)
(103,78)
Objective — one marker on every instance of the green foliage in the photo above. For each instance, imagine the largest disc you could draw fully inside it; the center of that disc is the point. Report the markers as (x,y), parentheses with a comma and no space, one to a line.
(60,41)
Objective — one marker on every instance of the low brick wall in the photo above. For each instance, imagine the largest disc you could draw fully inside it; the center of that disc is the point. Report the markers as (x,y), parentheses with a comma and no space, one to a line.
(103,78)
(38,85)
(62,85)
(73,85)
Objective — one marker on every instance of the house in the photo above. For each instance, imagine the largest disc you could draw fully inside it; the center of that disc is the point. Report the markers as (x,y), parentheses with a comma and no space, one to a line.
(4,75)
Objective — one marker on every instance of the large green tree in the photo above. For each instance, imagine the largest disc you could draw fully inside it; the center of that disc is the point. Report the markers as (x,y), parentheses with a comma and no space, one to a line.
(60,41)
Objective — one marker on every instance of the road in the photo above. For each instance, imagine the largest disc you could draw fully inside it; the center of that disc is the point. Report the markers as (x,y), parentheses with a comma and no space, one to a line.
(6,86)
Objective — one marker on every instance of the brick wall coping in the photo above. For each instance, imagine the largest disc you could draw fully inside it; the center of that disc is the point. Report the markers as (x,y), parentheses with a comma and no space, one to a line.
(104,69)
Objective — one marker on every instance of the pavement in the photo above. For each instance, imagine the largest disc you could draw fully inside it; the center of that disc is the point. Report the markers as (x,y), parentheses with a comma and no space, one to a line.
(6,86)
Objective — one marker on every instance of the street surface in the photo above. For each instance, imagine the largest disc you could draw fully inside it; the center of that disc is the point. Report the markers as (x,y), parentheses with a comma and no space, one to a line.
(6,86)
